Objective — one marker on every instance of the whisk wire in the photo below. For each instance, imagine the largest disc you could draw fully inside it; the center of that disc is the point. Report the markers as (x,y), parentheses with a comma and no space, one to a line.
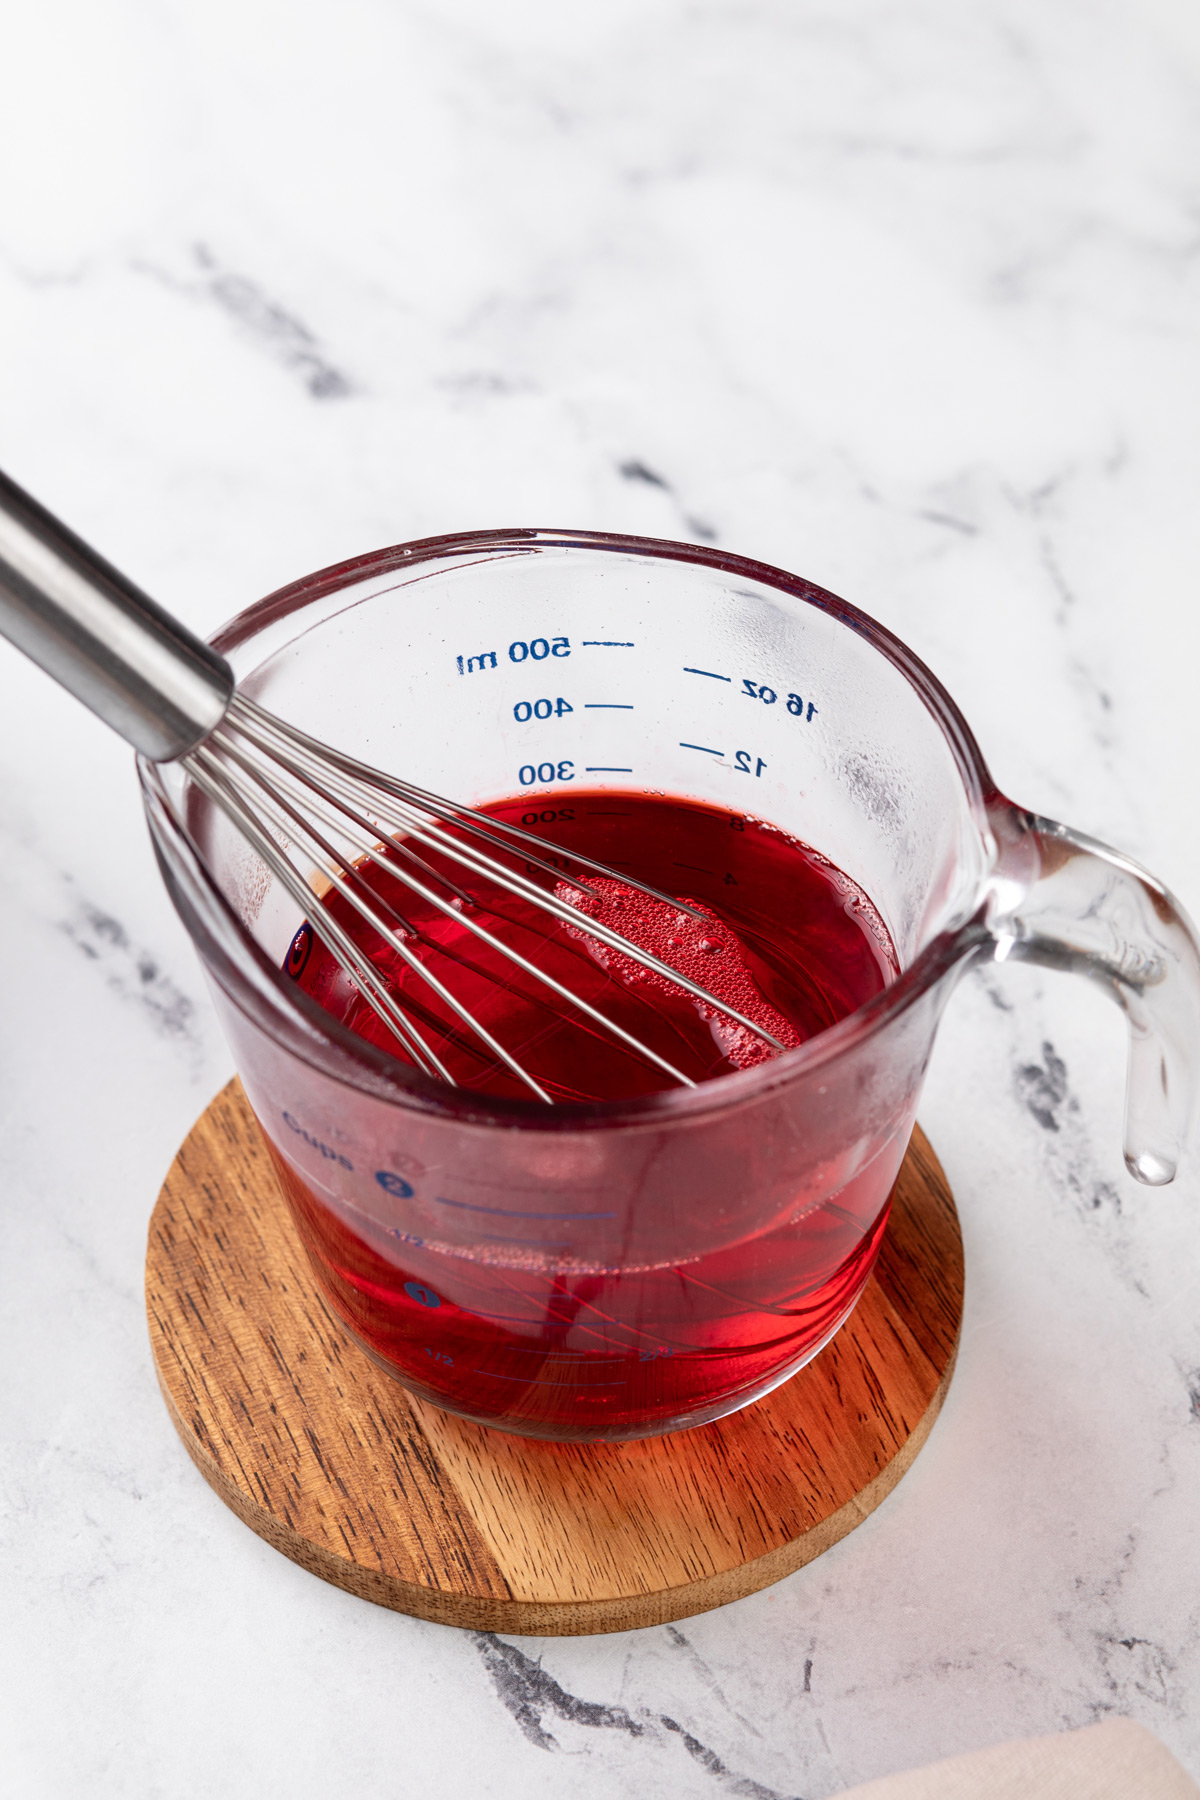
(408,817)
(282,809)
(308,812)
(212,781)
(289,741)
(365,847)
(467,818)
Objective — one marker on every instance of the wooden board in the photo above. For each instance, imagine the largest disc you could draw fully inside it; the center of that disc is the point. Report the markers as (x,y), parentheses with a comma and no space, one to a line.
(341,1469)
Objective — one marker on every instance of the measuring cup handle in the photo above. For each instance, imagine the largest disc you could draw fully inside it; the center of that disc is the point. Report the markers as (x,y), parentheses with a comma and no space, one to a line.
(1068,902)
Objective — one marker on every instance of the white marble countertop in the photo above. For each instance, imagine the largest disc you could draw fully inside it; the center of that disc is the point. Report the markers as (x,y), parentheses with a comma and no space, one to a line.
(901,296)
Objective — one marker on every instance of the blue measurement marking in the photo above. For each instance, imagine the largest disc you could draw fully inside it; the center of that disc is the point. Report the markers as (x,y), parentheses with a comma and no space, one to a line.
(606,706)
(604,769)
(506,1212)
(707,748)
(708,672)
(605,644)
(416,1290)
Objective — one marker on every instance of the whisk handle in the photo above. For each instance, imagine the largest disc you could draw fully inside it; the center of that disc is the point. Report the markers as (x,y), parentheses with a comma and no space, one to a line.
(105,641)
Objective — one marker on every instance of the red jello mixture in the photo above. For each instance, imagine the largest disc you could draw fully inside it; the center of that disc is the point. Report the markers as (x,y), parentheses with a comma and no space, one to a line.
(604,1351)
(785,938)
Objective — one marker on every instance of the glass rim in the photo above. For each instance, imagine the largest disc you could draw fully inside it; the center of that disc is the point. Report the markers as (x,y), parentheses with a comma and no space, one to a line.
(425,1093)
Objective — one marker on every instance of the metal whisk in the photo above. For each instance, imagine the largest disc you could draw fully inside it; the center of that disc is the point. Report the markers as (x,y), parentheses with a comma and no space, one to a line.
(307,810)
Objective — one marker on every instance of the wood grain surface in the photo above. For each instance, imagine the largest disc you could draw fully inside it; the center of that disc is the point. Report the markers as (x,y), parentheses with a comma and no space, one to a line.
(337,1466)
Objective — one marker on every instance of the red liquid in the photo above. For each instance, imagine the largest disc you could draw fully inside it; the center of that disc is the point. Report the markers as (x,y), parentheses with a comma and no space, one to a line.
(545,1344)
(785,937)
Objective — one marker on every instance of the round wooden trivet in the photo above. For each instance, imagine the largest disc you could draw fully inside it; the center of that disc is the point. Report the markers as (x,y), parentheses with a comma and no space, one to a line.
(340,1468)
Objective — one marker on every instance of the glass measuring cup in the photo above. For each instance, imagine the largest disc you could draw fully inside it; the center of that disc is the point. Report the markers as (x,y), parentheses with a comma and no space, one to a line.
(619,1269)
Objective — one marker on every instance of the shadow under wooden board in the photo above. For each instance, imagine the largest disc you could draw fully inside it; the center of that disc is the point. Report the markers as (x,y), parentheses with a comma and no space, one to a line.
(342,1470)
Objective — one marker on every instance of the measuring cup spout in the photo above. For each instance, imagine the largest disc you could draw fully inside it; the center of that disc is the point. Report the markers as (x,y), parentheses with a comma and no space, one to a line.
(1063,900)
